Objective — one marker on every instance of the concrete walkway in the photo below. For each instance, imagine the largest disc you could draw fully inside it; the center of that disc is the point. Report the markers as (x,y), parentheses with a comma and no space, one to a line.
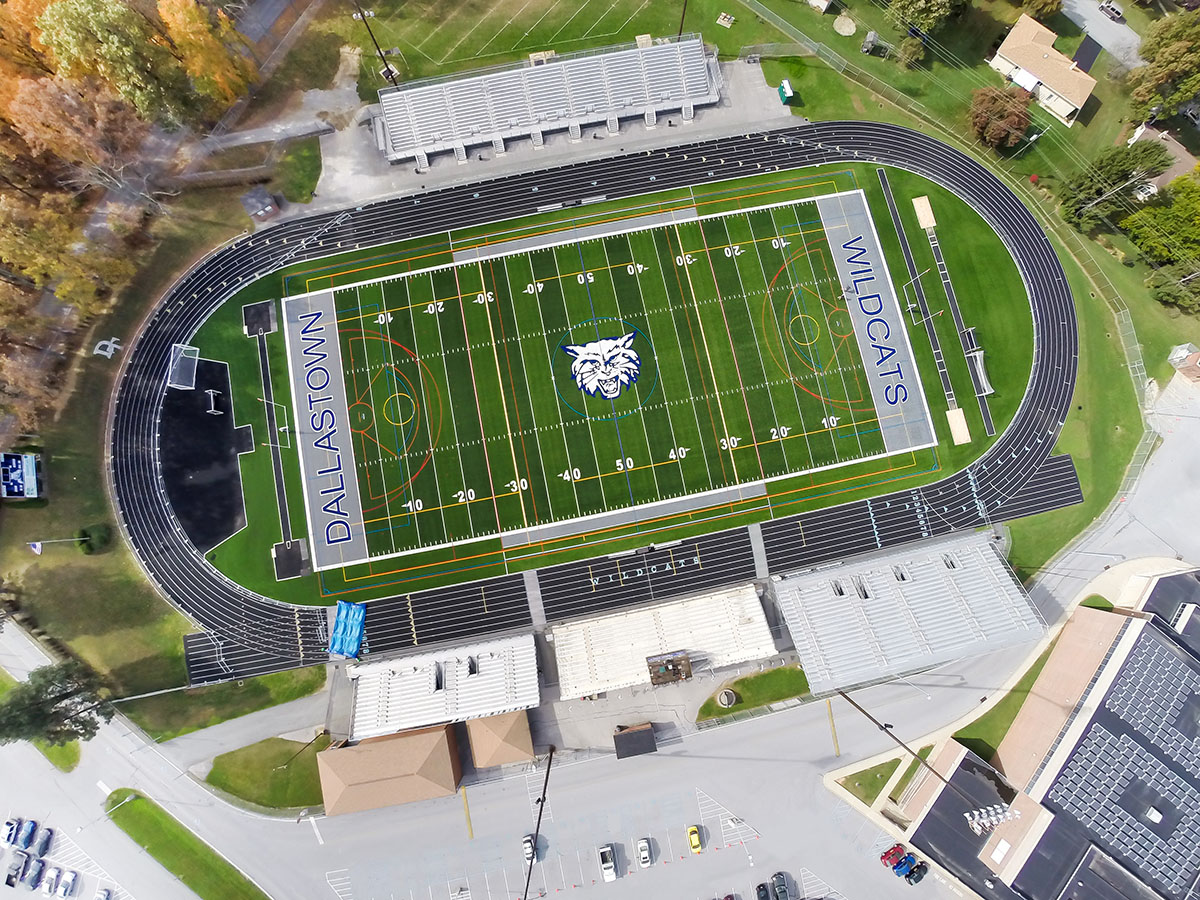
(195,751)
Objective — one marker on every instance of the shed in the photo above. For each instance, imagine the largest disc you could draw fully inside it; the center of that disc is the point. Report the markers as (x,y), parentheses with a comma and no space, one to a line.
(635,740)
(259,204)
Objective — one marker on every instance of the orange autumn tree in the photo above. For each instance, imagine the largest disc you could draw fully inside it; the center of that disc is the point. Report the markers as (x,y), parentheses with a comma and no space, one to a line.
(210,47)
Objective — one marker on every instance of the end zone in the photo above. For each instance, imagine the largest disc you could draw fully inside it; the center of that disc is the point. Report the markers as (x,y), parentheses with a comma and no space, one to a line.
(331,499)
(878,322)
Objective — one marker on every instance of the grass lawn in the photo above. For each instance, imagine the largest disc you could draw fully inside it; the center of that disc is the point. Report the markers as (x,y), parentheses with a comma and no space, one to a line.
(759,690)
(984,735)
(867,784)
(1101,432)
(65,757)
(170,715)
(298,170)
(177,849)
(440,37)
(1095,601)
(275,773)
(904,779)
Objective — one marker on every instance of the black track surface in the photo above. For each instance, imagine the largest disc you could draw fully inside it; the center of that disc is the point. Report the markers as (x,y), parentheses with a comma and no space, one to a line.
(289,636)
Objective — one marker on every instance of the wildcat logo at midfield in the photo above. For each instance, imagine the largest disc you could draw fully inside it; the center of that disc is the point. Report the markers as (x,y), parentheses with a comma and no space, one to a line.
(605,367)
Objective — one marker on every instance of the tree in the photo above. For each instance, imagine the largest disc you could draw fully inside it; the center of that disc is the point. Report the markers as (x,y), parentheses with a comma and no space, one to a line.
(25,387)
(116,43)
(20,38)
(1168,231)
(1000,117)
(44,243)
(1102,190)
(1042,9)
(924,15)
(85,125)
(1168,285)
(211,47)
(911,52)
(59,703)
(1171,76)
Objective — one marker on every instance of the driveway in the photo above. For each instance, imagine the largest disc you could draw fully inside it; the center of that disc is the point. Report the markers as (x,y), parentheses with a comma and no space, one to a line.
(1116,37)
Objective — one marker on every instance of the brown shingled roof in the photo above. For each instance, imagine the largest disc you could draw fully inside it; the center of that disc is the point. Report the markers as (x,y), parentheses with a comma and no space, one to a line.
(1031,46)
(386,771)
(501,739)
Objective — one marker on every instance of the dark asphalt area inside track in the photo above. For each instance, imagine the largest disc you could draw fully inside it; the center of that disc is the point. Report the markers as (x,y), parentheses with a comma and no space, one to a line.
(1016,475)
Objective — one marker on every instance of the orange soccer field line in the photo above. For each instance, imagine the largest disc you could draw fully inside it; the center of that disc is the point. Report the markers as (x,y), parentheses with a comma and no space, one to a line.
(548,551)
(484,242)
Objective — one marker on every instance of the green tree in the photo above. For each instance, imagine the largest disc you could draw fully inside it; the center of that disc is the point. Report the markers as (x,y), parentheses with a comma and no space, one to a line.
(925,15)
(1042,9)
(1168,231)
(1104,188)
(212,49)
(911,52)
(115,42)
(59,703)
(1176,286)
(1000,117)
(1171,76)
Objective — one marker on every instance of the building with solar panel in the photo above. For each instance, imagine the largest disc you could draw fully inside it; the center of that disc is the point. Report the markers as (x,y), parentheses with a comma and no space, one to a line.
(547,93)
(1094,792)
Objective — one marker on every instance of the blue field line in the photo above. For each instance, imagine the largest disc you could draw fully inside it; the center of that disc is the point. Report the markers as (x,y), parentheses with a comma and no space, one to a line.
(933,468)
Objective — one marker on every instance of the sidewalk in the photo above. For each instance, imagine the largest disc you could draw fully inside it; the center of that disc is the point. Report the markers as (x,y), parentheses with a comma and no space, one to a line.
(196,751)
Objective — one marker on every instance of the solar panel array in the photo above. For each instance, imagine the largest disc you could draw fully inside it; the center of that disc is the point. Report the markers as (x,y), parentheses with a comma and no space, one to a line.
(580,90)
(904,611)
(1102,768)
(1156,695)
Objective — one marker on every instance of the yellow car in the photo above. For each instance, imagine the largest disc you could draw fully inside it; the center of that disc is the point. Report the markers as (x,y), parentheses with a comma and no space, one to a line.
(694,838)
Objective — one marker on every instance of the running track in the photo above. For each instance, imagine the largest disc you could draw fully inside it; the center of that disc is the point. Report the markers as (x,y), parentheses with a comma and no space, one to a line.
(248,633)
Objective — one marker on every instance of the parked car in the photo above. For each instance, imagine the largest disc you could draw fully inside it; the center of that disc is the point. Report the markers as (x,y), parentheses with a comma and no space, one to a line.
(608,862)
(33,877)
(66,887)
(905,865)
(693,836)
(11,829)
(779,886)
(917,873)
(44,842)
(643,850)
(50,882)
(103,894)
(762,892)
(1112,11)
(892,855)
(25,837)
(16,868)
(529,848)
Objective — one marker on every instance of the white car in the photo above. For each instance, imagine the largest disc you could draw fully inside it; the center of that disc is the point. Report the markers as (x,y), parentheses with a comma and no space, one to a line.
(529,847)
(50,881)
(643,849)
(608,862)
(66,887)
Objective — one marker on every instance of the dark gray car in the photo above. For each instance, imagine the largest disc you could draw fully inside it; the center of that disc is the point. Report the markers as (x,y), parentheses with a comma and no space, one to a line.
(25,838)
(779,886)
(44,842)
(33,877)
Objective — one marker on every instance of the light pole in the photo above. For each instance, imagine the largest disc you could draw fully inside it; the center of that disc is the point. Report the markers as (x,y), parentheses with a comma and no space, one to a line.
(537,828)
(387,67)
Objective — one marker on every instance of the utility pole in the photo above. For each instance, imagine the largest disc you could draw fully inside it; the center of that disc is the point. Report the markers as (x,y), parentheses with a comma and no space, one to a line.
(537,829)
(387,67)
(682,16)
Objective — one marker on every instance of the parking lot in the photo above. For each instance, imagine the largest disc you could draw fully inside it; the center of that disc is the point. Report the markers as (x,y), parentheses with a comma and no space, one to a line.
(38,839)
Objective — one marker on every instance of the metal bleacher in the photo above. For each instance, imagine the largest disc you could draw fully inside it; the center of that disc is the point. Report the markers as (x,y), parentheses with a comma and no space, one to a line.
(427,117)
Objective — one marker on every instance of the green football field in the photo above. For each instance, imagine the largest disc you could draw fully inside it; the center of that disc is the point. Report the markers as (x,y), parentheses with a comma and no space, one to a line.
(522,392)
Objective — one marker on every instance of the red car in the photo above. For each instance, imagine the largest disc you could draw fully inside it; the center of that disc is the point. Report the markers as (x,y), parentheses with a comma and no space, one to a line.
(892,856)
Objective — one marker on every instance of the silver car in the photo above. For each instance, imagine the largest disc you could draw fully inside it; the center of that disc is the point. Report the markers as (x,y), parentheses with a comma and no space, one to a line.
(643,852)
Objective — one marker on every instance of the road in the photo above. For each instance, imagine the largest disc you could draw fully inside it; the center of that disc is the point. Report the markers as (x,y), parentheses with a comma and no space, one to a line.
(1116,37)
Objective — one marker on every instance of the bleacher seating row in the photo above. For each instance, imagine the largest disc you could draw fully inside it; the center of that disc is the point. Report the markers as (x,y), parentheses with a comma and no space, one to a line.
(427,118)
